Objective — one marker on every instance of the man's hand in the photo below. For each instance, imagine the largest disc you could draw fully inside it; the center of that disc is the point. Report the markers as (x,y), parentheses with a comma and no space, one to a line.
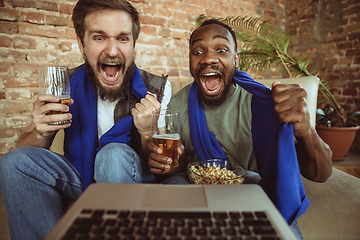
(160,164)
(314,156)
(142,114)
(39,133)
(42,106)
(290,105)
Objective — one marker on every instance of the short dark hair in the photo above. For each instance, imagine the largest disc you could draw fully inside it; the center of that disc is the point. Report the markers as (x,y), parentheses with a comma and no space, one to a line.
(83,7)
(215,21)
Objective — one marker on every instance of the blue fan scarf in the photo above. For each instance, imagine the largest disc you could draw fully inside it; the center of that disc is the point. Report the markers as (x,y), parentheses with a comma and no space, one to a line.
(273,144)
(81,136)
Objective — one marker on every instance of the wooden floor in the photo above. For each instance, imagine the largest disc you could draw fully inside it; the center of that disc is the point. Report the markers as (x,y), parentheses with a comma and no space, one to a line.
(350,165)
(352,170)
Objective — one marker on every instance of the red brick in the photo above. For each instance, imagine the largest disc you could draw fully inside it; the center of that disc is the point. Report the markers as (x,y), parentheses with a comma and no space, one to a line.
(158,21)
(70,33)
(345,60)
(48,57)
(181,43)
(19,94)
(203,4)
(355,84)
(5,67)
(353,27)
(38,4)
(353,9)
(164,32)
(5,41)
(343,45)
(7,132)
(8,27)
(12,55)
(150,10)
(357,60)
(174,72)
(24,43)
(23,3)
(70,22)
(48,6)
(42,31)
(66,46)
(66,8)
(171,5)
(191,9)
(348,76)
(33,17)
(185,72)
(161,42)
(19,107)
(148,30)
(179,34)
(350,92)
(15,82)
(56,20)
(9,14)
(354,52)
(355,36)
(25,69)
(180,16)
(165,12)
(2,95)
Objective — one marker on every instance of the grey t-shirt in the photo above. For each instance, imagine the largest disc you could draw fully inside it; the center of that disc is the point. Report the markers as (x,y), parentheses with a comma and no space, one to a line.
(230,122)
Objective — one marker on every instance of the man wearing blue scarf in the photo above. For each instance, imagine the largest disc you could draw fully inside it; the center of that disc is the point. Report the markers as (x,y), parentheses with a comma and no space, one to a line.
(106,141)
(226,114)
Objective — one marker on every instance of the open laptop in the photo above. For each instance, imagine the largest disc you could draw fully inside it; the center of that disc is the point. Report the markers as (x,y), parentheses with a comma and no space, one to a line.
(176,212)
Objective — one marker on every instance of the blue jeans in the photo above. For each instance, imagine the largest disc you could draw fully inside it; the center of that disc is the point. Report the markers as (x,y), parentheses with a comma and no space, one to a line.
(35,182)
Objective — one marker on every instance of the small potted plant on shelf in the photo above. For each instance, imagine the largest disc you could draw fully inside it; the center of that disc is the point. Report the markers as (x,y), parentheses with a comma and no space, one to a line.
(263,44)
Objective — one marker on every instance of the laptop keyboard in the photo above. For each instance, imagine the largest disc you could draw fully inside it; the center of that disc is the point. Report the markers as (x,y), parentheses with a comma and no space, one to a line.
(157,225)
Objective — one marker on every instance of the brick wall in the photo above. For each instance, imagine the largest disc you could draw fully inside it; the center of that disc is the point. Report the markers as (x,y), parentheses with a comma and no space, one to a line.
(329,32)
(40,32)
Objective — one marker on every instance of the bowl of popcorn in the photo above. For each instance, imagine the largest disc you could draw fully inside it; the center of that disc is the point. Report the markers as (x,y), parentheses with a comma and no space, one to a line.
(216,171)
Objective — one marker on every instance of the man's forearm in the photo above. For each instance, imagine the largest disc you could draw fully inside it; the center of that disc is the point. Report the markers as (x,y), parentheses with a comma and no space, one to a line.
(314,157)
(31,137)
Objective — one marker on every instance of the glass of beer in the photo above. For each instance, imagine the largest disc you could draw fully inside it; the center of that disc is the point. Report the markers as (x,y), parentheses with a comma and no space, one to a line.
(165,127)
(55,80)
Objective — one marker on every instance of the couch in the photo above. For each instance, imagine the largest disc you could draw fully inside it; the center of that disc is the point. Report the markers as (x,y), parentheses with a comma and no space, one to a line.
(334,212)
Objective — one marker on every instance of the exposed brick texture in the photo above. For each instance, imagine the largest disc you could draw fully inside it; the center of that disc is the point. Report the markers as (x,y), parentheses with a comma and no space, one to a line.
(329,32)
(40,32)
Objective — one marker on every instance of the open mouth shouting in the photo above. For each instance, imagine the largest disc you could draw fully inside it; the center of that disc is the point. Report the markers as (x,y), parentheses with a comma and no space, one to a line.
(211,82)
(111,70)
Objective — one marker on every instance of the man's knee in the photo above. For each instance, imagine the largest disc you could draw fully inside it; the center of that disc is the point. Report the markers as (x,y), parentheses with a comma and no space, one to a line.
(13,160)
(117,153)
(13,163)
(117,162)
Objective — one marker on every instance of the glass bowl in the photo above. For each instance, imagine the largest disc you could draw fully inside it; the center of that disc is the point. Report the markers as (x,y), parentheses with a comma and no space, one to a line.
(216,171)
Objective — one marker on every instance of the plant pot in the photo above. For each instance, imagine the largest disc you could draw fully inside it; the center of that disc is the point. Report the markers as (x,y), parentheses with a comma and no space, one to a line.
(339,139)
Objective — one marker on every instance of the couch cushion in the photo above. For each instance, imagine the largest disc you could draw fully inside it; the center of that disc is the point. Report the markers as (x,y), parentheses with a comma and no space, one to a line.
(334,212)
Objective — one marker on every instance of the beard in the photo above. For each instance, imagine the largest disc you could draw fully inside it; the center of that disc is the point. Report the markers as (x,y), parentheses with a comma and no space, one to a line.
(222,96)
(106,93)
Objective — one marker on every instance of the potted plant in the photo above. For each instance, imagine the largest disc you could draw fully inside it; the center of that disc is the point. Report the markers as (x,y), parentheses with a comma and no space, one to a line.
(263,44)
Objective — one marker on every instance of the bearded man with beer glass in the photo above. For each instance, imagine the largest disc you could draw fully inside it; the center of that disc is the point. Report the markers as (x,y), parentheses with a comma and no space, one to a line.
(265,131)
(106,139)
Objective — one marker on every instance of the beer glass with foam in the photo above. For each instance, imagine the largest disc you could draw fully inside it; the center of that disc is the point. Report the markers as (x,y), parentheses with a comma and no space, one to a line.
(55,80)
(165,127)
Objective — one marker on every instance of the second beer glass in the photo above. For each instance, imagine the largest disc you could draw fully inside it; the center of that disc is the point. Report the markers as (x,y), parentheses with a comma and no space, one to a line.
(165,126)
